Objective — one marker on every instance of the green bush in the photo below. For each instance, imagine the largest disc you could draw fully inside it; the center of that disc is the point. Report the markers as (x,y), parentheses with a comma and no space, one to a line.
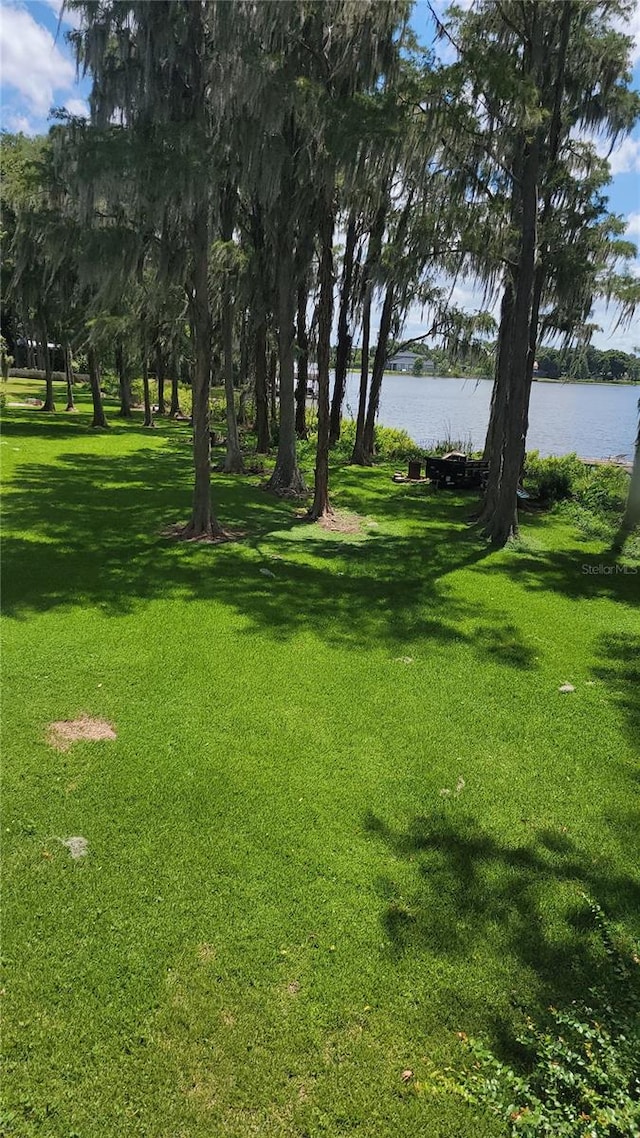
(593,498)
(581,1079)
(395,445)
(552,479)
(391,444)
(603,490)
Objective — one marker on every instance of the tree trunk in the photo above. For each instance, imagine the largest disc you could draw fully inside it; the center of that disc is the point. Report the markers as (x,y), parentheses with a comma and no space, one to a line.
(41,352)
(244,352)
(303,362)
(203,522)
(124,382)
(377,374)
(148,410)
(374,250)
(493,446)
(48,374)
(99,419)
(286,478)
(272,381)
(243,413)
(343,350)
(233,462)
(68,371)
(263,439)
(162,409)
(500,514)
(175,386)
(321,506)
(358,457)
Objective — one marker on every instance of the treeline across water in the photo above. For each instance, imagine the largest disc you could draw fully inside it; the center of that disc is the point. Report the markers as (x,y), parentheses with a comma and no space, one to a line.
(587,364)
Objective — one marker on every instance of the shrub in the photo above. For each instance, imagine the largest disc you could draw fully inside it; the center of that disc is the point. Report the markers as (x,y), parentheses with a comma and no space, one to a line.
(603,490)
(395,445)
(391,444)
(552,479)
(592,497)
(581,1079)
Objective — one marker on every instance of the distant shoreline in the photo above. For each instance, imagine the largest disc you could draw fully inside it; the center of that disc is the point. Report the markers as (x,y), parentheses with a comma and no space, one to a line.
(537,379)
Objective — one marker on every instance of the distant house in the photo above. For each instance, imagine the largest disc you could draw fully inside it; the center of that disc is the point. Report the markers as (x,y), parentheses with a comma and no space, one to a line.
(406,361)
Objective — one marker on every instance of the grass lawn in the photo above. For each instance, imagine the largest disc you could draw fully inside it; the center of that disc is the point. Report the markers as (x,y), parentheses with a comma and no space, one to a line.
(347,815)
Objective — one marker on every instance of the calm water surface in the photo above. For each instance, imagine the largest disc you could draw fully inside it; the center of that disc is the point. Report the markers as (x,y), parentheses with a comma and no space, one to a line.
(594,420)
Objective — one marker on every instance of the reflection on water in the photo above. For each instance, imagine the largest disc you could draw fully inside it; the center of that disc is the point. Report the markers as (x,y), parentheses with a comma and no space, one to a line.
(594,420)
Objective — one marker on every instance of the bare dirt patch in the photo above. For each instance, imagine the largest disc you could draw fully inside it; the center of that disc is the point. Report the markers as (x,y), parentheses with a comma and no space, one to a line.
(77,846)
(86,729)
(339,521)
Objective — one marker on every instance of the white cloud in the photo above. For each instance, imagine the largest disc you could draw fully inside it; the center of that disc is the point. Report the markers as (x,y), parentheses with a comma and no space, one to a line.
(21,124)
(73,19)
(633,224)
(77,107)
(32,64)
(625,158)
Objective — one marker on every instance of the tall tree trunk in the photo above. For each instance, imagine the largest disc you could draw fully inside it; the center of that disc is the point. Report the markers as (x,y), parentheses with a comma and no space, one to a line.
(244,351)
(377,374)
(374,251)
(41,351)
(146,391)
(272,380)
(499,400)
(99,419)
(233,461)
(263,434)
(68,371)
(162,409)
(358,458)
(203,522)
(321,505)
(303,361)
(175,385)
(124,382)
(541,268)
(286,478)
(48,374)
(501,514)
(243,413)
(343,350)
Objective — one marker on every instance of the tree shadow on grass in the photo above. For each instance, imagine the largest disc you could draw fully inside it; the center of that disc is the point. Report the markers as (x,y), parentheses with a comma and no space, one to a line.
(576,574)
(618,667)
(473,891)
(87,529)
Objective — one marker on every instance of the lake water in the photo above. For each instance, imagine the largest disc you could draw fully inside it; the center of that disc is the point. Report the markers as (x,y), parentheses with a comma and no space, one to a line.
(595,420)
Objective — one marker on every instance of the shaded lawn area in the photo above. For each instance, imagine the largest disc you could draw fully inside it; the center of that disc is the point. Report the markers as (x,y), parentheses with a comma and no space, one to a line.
(347,813)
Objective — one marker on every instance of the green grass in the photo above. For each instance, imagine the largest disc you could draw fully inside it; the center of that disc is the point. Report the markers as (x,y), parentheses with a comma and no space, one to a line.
(280,910)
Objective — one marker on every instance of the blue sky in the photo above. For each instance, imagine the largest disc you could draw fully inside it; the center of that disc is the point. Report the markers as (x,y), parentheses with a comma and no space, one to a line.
(38,72)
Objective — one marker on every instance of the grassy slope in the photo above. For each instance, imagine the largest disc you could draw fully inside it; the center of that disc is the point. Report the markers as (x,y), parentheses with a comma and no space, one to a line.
(280,911)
